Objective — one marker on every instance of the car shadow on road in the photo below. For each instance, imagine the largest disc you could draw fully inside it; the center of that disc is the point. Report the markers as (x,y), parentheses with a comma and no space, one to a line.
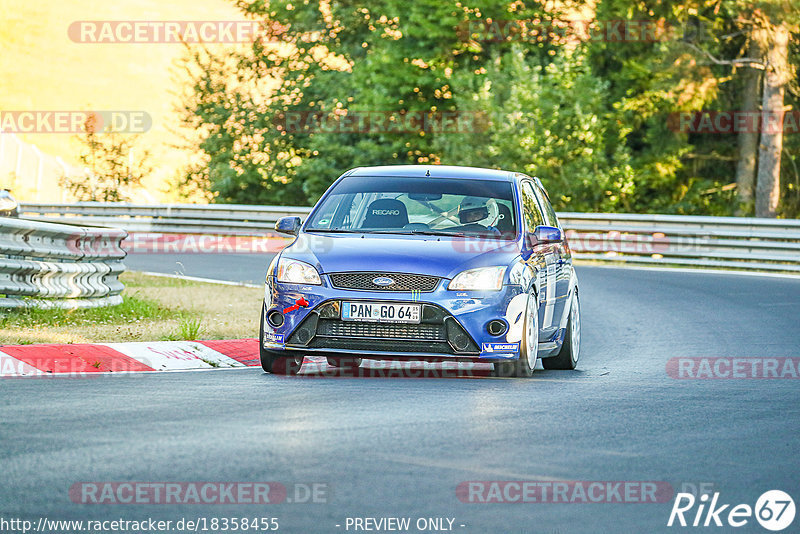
(317,367)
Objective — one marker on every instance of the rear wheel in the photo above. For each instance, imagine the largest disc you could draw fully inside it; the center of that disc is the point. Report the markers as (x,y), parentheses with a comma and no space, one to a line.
(567,358)
(276,362)
(342,361)
(528,354)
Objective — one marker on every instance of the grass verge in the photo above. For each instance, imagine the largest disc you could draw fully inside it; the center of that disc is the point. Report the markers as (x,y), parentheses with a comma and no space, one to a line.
(153,309)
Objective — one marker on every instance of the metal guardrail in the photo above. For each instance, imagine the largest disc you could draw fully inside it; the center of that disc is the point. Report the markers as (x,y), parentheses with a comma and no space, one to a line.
(717,242)
(59,265)
(174,218)
(696,241)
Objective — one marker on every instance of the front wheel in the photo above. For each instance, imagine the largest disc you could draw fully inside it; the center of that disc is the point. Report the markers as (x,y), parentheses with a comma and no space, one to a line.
(282,365)
(529,348)
(276,362)
(567,358)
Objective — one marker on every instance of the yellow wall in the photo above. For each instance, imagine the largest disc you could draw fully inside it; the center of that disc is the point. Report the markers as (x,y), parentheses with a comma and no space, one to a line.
(42,69)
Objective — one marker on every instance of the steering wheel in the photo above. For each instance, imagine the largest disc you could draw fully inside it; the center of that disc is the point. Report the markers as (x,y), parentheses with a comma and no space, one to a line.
(447,215)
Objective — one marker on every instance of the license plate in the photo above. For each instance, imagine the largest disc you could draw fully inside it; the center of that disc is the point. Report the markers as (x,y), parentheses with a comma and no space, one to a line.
(380,312)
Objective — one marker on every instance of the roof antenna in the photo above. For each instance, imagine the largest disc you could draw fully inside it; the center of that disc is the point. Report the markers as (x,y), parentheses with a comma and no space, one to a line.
(428,172)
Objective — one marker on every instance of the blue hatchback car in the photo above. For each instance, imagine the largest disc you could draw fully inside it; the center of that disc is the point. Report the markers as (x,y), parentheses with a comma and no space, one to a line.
(425,263)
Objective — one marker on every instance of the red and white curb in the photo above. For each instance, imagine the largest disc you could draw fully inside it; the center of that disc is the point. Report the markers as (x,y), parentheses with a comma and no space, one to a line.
(101,358)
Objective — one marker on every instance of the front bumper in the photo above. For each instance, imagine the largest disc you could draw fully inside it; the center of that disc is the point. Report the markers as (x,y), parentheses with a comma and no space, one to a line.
(453,326)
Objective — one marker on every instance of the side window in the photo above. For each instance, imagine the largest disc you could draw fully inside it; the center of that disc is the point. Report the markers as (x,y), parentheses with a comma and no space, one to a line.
(549,212)
(530,208)
(340,214)
(324,218)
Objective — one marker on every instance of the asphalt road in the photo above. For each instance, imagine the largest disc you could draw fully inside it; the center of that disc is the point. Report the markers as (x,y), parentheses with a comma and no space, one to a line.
(400,447)
(247,268)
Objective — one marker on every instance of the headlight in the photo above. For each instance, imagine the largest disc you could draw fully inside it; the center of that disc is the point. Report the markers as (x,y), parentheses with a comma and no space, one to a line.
(483,279)
(297,272)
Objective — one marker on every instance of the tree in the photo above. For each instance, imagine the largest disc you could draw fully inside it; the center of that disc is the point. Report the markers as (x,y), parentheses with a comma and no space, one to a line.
(748,139)
(703,70)
(767,27)
(332,59)
(549,119)
(590,118)
(109,156)
(778,74)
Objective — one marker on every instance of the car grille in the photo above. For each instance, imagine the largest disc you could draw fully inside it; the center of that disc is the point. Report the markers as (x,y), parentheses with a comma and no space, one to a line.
(382,345)
(438,333)
(415,332)
(402,282)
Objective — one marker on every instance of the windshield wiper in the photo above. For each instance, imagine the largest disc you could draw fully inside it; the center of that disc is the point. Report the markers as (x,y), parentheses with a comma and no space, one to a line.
(421,232)
(396,232)
(334,230)
(440,232)
(456,234)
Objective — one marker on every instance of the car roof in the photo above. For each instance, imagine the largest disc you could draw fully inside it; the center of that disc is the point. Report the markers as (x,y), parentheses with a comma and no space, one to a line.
(433,171)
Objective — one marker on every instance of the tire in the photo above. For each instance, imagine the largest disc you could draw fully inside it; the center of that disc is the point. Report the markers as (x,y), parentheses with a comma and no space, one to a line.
(567,358)
(273,361)
(524,366)
(285,365)
(344,361)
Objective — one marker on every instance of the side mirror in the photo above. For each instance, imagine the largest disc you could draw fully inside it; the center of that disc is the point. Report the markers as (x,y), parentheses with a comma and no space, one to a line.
(544,235)
(288,225)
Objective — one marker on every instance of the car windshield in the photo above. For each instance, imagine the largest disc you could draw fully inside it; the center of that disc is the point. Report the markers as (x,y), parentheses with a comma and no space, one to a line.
(400,205)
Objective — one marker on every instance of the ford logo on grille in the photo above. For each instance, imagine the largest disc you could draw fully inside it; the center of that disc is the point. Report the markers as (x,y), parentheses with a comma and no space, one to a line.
(383,281)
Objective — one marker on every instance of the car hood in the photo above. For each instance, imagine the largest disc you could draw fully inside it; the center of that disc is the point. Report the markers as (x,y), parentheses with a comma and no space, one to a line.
(437,256)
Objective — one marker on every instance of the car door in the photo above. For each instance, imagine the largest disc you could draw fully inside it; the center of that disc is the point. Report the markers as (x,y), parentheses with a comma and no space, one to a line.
(561,256)
(543,260)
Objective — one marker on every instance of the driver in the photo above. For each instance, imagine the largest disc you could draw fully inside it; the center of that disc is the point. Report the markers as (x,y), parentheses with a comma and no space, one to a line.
(473,210)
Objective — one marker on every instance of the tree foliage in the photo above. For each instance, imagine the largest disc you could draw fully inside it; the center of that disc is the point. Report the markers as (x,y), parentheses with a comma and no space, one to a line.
(113,169)
(590,117)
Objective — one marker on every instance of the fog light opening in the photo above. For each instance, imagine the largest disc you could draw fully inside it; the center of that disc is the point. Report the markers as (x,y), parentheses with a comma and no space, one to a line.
(456,336)
(275,318)
(497,327)
(303,336)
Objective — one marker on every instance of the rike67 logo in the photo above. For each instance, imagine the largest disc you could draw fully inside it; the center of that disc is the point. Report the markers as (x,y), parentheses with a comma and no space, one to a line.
(774,510)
